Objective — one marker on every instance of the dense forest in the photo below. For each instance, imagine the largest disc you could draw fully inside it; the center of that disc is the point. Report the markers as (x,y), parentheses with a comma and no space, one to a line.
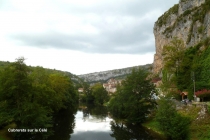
(31,97)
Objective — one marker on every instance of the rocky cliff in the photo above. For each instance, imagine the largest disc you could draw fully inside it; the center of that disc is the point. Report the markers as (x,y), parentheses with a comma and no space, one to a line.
(189,20)
(105,75)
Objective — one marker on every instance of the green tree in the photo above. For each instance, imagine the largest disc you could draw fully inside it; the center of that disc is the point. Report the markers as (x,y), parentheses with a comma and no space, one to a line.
(99,93)
(33,94)
(174,126)
(117,104)
(134,101)
(173,54)
(17,101)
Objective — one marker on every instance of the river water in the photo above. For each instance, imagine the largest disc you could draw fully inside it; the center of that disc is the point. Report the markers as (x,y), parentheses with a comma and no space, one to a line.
(94,123)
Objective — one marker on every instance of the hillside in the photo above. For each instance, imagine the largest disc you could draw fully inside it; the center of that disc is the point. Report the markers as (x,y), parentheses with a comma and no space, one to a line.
(75,79)
(105,75)
(92,77)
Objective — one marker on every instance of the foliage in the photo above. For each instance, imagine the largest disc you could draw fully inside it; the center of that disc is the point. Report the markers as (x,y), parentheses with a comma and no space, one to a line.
(117,104)
(173,57)
(168,81)
(202,70)
(203,94)
(199,128)
(133,100)
(193,64)
(99,93)
(208,107)
(173,54)
(37,95)
(174,126)
(95,94)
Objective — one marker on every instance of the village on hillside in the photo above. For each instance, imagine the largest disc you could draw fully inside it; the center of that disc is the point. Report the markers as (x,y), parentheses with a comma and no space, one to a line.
(110,86)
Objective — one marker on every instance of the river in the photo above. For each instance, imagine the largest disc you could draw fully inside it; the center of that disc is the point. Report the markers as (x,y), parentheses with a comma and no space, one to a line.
(94,123)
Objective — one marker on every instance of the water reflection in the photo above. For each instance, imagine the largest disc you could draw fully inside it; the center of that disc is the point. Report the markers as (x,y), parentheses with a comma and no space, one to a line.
(63,125)
(98,112)
(122,131)
(92,123)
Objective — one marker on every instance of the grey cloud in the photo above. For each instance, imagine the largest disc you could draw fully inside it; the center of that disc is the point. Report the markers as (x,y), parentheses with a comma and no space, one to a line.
(124,7)
(135,38)
(130,40)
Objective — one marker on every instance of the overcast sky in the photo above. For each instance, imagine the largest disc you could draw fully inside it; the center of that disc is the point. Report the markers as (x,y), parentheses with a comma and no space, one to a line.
(80,36)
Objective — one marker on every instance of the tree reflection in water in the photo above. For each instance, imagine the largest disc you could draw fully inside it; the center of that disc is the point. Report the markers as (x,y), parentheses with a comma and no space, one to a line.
(122,131)
(97,112)
(64,125)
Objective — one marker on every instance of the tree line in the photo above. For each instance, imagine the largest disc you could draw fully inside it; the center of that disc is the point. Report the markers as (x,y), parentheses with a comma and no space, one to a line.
(31,98)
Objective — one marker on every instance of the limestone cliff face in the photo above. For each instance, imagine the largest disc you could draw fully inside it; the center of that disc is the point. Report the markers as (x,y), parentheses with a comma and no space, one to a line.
(189,20)
(105,75)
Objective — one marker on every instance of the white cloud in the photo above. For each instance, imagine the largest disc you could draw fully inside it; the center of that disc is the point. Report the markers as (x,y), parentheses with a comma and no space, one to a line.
(80,36)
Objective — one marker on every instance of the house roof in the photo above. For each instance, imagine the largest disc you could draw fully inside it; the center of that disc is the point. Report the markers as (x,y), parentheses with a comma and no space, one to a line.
(184,93)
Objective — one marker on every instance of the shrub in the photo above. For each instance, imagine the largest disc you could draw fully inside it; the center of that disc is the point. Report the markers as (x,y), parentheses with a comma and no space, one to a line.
(174,126)
(203,93)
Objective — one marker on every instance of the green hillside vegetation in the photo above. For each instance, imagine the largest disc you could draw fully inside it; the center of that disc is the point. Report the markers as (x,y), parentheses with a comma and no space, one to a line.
(182,68)
(186,65)
(75,79)
(31,97)
(133,100)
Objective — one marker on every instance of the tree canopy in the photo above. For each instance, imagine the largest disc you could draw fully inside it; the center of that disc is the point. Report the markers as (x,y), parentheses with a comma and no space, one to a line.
(33,94)
(99,93)
(133,100)
(173,54)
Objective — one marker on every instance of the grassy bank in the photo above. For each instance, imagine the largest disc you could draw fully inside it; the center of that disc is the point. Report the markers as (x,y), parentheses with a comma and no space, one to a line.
(199,127)
(153,126)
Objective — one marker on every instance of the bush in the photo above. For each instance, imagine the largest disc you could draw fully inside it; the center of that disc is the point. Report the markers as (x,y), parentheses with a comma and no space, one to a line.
(174,126)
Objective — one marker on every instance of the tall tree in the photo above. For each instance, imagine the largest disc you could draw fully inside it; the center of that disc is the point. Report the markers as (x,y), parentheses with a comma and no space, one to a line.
(15,88)
(134,97)
(18,104)
(173,54)
(99,93)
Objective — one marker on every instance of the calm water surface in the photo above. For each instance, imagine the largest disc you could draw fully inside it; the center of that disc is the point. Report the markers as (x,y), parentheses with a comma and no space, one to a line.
(91,127)
(94,123)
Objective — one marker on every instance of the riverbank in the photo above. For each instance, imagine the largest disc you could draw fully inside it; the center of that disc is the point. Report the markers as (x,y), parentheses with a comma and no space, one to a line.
(200,122)
(152,126)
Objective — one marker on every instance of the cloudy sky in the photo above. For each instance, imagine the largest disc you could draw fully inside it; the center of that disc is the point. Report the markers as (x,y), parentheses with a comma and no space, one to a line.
(80,36)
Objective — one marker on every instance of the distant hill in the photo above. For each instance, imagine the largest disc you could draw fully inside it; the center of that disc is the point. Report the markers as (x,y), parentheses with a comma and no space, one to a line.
(105,75)
(92,77)
(75,79)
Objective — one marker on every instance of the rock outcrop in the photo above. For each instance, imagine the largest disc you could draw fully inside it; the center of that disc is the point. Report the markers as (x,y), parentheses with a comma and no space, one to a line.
(105,75)
(189,20)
